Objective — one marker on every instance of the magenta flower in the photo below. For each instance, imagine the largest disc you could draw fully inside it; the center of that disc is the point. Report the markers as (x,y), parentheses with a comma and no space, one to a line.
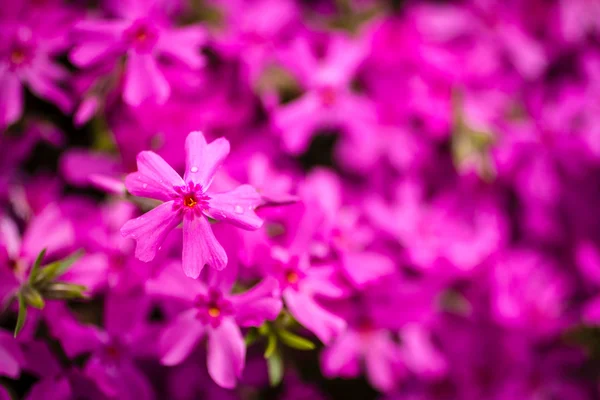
(301,285)
(374,348)
(186,199)
(11,357)
(26,59)
(143,34)
(212,311)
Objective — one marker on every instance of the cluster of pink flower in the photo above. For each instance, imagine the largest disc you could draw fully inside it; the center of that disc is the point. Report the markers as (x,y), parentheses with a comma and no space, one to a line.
(400,194)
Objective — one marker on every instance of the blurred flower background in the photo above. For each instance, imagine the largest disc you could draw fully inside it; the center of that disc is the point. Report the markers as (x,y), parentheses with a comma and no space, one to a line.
(300,199)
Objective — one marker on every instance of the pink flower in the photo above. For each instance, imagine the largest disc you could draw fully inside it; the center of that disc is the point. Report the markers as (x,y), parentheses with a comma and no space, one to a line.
(186,199)
(142,33)
(212,311)
(26,59)
(301,284)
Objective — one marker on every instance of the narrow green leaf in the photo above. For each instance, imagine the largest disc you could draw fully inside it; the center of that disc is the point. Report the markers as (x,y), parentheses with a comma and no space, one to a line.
(251,337)
(64,291)
(271,345)
(275,367)
(22,314)
(32,297)
(57,268)
(295,341)
(36,266)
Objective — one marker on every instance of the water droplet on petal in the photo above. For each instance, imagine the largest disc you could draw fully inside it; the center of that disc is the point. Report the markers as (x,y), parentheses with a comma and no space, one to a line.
(238,209)
(194,169)
(145,185)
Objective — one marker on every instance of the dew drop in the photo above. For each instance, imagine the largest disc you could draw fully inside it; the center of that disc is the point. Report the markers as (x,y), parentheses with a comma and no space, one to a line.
(238,209)
(194,169)
(145,185)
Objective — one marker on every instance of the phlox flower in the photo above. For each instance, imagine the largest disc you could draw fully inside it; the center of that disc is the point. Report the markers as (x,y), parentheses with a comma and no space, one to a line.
(328,99)
(141,33)
(211,311)
(301,286)
(27,60)
(114,350)
(186,199)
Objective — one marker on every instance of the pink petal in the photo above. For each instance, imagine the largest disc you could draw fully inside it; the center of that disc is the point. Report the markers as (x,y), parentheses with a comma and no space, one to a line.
(99,30)
(172,284)
(366,267)
(316,319)
(77,165)
(419,353)
(226,354)
(200,247)
(297,122)
(76,338)
(91,271)
(10,356)
(9,237)
(180,338)
(151,229)
(202,159)
(258,304)
(326,281)
(188,41)
(342,357)
(155,178)
(382,363)
(144,81)
(11,99)
(89,53)
(36,237)
(236,207)
(45,88)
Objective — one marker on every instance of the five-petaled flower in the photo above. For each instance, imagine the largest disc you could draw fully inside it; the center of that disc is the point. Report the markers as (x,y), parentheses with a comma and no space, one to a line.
(186,199)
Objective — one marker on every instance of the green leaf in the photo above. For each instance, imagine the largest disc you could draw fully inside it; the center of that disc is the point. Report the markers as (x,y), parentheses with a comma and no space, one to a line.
(271,345)
(251,337)
(275,367)
(22,314)
(36,266)
(64,291)
(57,268)
(295,341)
(32,297)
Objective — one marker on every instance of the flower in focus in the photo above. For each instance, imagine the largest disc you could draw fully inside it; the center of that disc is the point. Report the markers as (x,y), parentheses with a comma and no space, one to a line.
(186,199)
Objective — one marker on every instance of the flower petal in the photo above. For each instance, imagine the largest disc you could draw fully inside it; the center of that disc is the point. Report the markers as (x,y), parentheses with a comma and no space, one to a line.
(189,40)
(200,247)
(236,207)
(226,354)
(342,357)
(180,337)
(11,357)
(202,159)
(144,81)
(366,267)
(11,100)
(297,122)
(155,178)
(258,304)
(9,237)
(151,229)
(316,319)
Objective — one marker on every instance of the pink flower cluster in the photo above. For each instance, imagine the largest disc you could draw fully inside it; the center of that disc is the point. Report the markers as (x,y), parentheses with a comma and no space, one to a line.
(244,199)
